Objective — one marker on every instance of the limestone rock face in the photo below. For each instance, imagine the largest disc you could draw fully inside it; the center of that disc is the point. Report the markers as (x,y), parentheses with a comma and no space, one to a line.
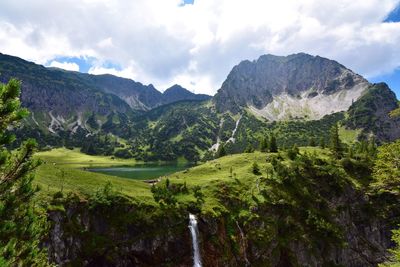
(296,86)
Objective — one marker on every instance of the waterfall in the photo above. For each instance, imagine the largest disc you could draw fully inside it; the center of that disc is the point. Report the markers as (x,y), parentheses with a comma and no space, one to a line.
(232,138)
(194,231)
(243,244)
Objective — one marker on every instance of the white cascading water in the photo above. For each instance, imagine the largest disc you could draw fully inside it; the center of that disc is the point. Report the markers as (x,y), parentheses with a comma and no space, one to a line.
(195,242)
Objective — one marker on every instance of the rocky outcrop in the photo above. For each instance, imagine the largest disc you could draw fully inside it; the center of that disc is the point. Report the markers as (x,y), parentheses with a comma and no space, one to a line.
(298,85)
(116,236)
(372,113)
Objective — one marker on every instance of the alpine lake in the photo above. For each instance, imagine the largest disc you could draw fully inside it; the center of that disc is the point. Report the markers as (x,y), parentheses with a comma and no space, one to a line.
(143,171)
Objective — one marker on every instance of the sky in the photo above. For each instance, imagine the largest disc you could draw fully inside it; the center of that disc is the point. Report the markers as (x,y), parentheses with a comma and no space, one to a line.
(195,43)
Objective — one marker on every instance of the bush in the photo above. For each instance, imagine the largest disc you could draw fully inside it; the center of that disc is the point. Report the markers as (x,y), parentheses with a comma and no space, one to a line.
(255,169)
(123,153)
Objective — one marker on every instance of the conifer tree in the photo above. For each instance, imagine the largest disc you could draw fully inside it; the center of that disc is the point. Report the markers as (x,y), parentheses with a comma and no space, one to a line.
(249,149)
(21,225)
(221,151)
(273,146)
(312,142)
(335,144)
(322,142)
(264,145)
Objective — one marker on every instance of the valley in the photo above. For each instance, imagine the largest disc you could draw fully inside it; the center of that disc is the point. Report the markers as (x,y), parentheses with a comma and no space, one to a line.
(285,166)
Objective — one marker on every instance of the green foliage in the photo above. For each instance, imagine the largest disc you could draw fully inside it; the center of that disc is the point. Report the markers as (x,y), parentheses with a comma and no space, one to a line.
(198,194)
(163,195)
(123,153)
(92,122)
(21,223)
(395,252)
(273,146)
(264,144)
(101,144)
(255,168)
(293,152)
(301,191)
(368,112)
(395,113)
(312,141)
(249,149)
(104,196)
(221,151)
(386,170)
(335,144)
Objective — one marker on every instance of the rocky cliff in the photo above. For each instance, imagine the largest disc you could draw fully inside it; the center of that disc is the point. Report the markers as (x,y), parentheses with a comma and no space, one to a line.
(63,100)
(296,86)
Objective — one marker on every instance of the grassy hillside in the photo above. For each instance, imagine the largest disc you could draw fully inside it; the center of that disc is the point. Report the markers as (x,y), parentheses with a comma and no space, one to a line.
(64,169)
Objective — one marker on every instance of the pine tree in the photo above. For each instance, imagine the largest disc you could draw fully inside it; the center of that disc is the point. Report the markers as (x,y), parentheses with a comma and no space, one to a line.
(312,142)
(335,144)
(249,149)
(221,151)
(273,146)
(21,224)
(322,142)
(264,145)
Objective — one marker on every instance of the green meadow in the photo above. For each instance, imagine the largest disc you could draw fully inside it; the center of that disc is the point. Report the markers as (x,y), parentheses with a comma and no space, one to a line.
(64,170)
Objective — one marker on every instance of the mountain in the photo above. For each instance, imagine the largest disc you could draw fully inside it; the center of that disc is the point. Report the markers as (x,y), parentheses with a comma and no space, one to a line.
(64,100)
(178,93)
(296,98)
(139,96)
(372,113)
(62,92)
(296,86)
(135,94)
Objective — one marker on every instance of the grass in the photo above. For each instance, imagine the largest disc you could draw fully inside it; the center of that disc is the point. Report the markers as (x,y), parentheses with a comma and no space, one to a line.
(76,159)
(64,169)
(348,136)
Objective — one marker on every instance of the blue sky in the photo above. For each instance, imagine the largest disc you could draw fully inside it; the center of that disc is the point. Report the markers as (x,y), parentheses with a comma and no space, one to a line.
(393,78)
(197,43)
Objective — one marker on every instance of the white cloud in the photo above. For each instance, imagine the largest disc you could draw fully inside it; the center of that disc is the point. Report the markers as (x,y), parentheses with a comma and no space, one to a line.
(64,65)
(125,73)
(197,45)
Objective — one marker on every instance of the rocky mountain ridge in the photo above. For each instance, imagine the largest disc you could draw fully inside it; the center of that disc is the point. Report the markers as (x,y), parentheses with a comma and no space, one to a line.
(61,91)
(296,86)
(294,97)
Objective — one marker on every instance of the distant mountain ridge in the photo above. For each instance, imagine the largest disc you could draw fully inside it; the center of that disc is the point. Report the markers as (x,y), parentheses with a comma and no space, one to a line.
(41,86)
(295,86)
(142,97)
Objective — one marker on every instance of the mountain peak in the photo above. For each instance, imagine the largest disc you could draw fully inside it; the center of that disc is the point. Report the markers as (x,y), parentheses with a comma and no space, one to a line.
(295,86)
(176,87)
(178,93)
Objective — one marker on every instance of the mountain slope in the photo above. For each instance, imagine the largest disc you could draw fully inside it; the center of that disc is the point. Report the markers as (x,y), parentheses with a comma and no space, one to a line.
(296,86)
(65,100)
(63,92)
(372,113)
(139,96)
(108,115)
(135,94)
